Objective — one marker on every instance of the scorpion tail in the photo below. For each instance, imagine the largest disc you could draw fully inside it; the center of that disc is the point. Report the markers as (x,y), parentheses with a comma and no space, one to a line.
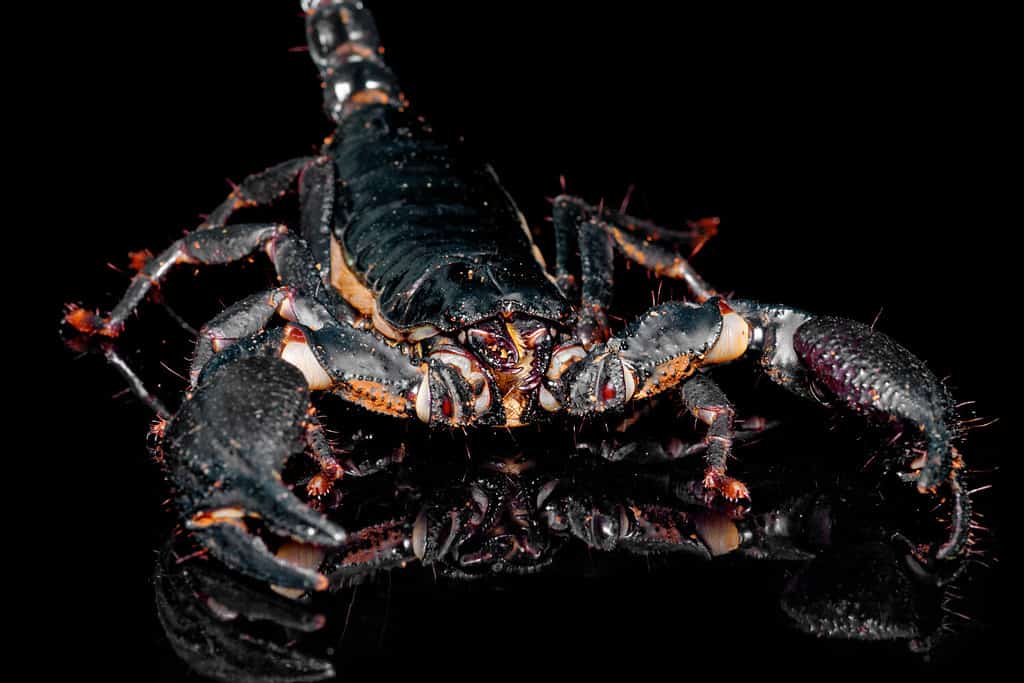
(344,44)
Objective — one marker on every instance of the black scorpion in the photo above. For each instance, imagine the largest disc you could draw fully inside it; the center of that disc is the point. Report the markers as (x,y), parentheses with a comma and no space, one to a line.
(413,288)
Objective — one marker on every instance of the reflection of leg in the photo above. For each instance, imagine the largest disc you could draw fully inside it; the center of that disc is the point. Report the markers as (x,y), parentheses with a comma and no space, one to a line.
(709,404)
(389,544)
(637,527)
(668,449)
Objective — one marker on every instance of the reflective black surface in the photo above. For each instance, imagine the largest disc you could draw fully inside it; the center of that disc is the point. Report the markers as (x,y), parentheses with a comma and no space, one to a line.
(851,173)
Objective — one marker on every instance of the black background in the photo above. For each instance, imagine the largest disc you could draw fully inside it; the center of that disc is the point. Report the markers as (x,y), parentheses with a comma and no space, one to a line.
(854,160)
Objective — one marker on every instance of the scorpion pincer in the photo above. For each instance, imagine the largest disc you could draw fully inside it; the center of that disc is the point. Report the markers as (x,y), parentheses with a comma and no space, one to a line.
(413,288)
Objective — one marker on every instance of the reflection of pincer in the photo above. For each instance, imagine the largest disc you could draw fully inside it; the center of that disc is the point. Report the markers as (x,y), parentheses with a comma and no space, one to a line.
(218,624)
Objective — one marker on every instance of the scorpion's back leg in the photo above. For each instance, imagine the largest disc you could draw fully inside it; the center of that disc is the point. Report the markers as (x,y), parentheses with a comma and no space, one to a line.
(585,240)
(214,243)
(290,256)
(259,189)
(315,177)
(205,247)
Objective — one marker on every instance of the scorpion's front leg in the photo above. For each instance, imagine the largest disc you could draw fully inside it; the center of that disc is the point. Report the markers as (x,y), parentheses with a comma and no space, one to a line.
(709,404)
(663,350)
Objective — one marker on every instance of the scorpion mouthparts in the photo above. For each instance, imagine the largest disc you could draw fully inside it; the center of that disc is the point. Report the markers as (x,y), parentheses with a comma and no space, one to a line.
(530,382)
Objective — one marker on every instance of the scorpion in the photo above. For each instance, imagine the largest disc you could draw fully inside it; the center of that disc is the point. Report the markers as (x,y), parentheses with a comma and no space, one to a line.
(413,288)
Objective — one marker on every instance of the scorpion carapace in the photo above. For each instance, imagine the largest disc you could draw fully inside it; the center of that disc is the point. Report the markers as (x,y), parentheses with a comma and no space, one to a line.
(413,288)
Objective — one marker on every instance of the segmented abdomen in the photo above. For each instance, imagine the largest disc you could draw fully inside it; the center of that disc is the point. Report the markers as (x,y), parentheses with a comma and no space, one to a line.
(433,235)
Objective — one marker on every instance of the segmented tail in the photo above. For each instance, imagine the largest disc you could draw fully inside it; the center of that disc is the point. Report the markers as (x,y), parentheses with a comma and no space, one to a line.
(344,44)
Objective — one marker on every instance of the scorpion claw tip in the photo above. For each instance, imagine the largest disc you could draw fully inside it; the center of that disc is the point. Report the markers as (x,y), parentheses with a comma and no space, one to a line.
(89,322)
(729,488)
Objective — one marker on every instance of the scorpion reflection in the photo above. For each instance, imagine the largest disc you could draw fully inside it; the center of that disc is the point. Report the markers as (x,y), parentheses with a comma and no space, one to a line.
(518,507)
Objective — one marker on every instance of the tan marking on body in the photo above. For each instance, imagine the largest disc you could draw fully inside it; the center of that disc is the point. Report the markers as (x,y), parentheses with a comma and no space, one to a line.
(240,202)
(139,259)
(514,404)
(319,485)
(731,488)
(231,515)
(666,376)
(675,270)
(87,322)
(370,97)
(374,396)
(562,358)
(359,295)
(629,249)
(348,284)
(537,255)
(384,327)
(377,538)
(513,400)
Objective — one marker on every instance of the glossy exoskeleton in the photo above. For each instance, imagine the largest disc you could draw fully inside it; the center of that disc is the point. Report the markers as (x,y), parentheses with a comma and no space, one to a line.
(411,287)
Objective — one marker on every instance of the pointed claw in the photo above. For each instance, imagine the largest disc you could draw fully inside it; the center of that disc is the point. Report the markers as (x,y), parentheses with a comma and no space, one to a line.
(233,545)
(91,323)
(210,581)
(225,449)
(730,488)
(197,604)
(286,515)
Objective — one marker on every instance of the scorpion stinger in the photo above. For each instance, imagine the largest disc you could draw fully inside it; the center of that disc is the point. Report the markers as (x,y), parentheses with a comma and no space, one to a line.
(413,288)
